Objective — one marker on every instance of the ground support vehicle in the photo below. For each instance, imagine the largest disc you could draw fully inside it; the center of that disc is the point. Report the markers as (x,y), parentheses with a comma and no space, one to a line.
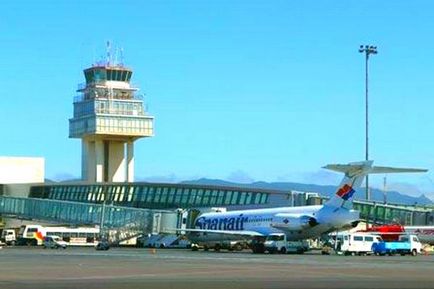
(406,244)
(74,236)
(355,243)
(102,245)
(9,237)
(278,243)
(54,242)
(221,245)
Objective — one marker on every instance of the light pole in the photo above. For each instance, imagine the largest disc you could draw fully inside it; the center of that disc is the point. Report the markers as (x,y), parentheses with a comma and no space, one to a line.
(367,49)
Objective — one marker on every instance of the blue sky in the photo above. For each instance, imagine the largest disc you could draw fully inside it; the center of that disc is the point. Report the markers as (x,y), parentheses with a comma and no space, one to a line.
(240,90)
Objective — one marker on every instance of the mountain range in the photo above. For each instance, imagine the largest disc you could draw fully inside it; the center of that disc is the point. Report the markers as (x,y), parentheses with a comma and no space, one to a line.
(393,197)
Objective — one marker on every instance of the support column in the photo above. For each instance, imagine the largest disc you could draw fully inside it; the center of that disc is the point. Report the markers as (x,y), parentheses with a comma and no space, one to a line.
(116,169)
(99,161)
(130,161)
(84,160)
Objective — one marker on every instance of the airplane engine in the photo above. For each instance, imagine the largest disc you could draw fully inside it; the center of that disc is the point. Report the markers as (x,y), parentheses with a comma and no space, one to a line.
(291,222)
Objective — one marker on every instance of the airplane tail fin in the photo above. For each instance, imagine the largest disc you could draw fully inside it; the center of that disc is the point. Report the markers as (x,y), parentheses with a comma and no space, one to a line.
(354,174)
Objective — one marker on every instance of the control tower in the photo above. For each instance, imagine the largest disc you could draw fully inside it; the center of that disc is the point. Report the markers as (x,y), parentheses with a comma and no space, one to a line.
(108,117)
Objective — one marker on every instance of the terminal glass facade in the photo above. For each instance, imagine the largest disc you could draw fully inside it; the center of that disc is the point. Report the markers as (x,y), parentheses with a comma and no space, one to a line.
(145,195)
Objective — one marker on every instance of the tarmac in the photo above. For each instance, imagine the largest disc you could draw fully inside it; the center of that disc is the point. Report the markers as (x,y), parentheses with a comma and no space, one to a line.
(128,268)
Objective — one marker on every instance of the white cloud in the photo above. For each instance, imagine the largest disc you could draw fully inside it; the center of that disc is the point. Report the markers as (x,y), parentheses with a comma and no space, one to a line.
(239,176)
(320,177)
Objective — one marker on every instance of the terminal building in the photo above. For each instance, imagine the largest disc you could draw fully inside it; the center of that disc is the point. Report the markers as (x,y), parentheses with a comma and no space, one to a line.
(108,117)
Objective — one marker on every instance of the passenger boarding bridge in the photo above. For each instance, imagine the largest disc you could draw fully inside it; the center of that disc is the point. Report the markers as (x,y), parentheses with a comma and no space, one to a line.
(119,223)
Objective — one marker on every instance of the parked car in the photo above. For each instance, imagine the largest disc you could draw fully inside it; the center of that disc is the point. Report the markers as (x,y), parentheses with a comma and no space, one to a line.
(102,245)
(54,242)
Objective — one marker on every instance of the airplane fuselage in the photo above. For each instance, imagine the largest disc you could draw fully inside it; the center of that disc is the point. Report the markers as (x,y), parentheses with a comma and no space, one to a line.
(265,222)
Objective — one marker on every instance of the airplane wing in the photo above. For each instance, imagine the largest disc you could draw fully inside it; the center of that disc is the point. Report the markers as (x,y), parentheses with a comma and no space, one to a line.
(225,232)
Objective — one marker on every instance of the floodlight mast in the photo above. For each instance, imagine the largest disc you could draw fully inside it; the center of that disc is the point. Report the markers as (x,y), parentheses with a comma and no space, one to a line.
(367,49)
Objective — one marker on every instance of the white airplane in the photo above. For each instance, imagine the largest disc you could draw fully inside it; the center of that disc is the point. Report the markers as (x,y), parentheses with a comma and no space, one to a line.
(297,223)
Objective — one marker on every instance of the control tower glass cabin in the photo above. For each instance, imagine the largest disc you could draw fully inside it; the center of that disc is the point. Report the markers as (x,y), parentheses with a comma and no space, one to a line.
(108,117)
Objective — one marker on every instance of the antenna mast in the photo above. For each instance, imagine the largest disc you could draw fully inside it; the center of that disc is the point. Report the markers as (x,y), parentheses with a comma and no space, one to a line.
(108,53)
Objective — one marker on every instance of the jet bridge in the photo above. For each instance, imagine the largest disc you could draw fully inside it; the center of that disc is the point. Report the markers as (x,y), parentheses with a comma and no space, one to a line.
(118,222)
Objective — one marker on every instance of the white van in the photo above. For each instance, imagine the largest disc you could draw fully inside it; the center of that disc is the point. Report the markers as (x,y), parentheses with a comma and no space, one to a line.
(278,243)
(356,243)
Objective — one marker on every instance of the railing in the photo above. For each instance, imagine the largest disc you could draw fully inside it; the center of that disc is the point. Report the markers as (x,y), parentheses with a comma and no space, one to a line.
(83,85)
(135,97)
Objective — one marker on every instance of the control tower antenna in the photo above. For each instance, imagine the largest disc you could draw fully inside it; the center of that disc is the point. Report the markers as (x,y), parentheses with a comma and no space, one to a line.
(108,53)
(122,57)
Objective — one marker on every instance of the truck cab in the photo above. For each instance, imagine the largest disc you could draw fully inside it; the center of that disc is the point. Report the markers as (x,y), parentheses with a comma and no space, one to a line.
(278,243)
(9,237)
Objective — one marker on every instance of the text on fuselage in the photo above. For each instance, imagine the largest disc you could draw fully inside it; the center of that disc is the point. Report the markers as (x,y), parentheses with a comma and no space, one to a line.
(228,223)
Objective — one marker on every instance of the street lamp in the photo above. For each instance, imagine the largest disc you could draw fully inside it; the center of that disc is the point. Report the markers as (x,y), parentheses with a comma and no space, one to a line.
(367,49)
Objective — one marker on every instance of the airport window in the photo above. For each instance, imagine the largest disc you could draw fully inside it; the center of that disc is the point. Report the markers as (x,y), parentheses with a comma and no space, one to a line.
(110,193)
(116,193)
(86,190)
(171,196)
(213,196)
(89,196)
(109,74)
(193,195)
(124,75)
(164,194)
(65,194)
(264,198)
(228,196)
(206,197)
(100,192)
(199,198)
(184,198)
(72,192)
(100,74)
(121,193)
(257,198)
(130,193)
(150,196)
(179,193)
(249,198)
(144,191)
(157,195)
(234,199)
(51,194)
(242,198)
(221,195)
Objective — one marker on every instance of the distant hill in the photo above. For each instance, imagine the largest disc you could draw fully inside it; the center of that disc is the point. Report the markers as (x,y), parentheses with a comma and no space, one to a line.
(328,191)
